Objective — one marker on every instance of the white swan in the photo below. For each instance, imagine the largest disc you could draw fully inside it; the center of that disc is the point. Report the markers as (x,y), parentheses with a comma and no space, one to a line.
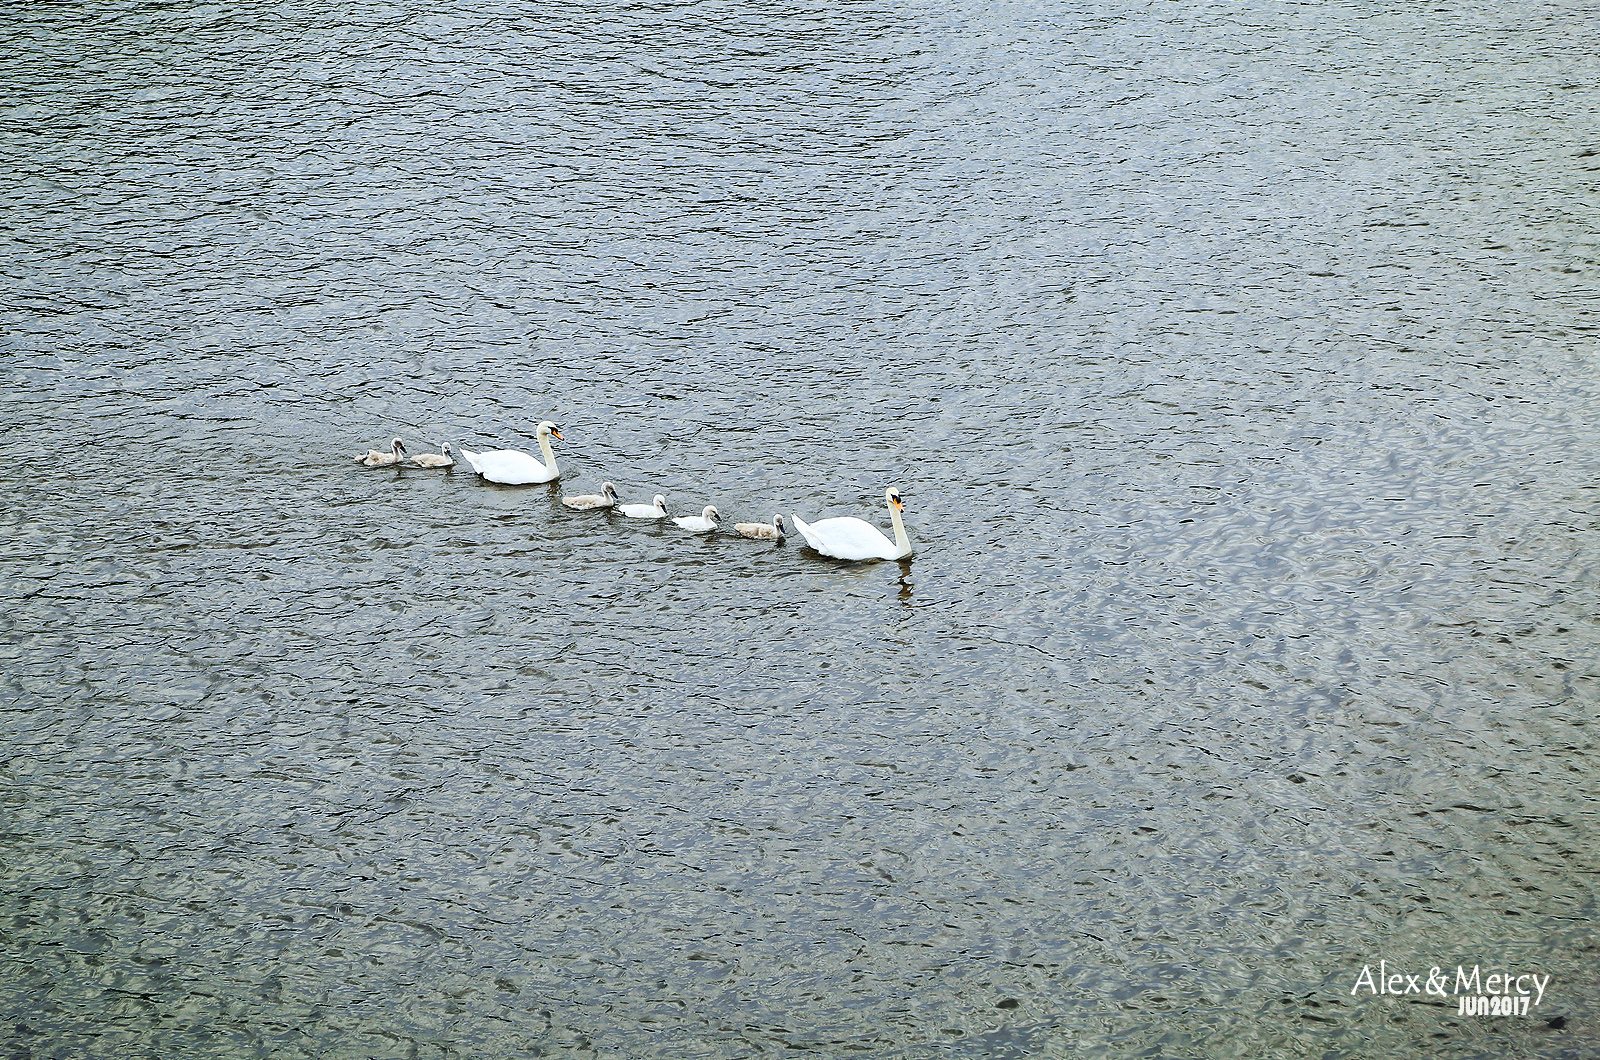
(706,520)
(606,498)
(376,459)
(516,468)
(440,459)
(772,531)
(657,509)
(851,538)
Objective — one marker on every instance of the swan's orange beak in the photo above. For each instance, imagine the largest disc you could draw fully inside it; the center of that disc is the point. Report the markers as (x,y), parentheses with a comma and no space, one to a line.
(899,505)
(555,432)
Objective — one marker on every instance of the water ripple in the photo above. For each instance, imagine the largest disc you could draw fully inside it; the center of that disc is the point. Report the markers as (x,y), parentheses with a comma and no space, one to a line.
(1234,362)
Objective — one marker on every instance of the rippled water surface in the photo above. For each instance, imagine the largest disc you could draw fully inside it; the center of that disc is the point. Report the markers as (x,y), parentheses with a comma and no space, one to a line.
(1238,362)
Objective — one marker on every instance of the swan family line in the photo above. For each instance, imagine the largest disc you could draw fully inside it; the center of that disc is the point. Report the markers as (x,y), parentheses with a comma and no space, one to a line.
(842,538)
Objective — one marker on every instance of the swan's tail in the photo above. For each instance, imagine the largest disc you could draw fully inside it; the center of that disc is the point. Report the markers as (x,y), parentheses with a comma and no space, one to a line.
(805,530)
(472,458)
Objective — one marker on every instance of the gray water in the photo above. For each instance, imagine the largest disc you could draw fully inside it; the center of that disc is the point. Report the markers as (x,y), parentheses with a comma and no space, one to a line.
(1238,362)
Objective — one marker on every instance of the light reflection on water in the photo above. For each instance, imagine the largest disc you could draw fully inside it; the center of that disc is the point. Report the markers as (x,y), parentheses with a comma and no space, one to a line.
(1234,366)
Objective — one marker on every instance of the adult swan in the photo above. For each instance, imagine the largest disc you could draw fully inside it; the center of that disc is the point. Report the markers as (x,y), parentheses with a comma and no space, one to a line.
(516,468)
(851,538)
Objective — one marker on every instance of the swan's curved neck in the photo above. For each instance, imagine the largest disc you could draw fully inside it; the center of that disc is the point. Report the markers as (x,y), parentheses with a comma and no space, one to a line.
(901,541)
(549,453)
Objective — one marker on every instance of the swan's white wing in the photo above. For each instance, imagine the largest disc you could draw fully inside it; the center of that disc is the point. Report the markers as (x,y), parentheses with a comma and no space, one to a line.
(846,538)
(509,466)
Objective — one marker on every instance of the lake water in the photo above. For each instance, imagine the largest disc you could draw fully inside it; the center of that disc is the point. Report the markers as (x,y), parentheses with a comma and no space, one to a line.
(1238,362)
